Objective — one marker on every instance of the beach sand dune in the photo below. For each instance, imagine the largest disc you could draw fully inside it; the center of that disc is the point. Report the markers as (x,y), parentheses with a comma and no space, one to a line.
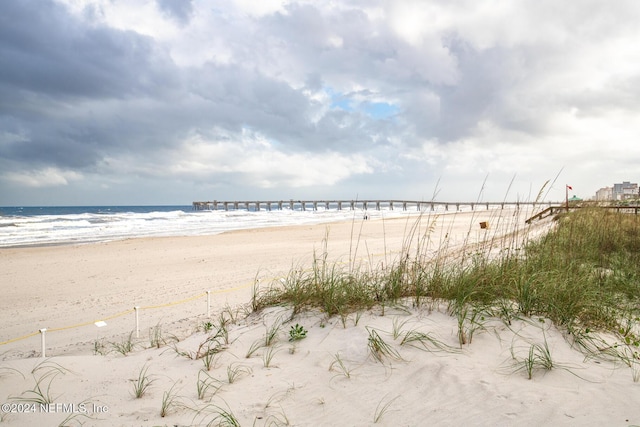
(331,377)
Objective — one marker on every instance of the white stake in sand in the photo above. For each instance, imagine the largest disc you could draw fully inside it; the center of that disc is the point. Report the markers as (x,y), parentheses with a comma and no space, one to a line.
(136,308)
(42,341)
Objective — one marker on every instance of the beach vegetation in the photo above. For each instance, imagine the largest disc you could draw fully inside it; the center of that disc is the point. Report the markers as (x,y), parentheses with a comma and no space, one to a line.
(43,375)
(215,415)
(207,326)
(379,349)
(470,319)
(230,315)
(6,371)
(279,397)
(157,338)
(426,341)
(339,366)
(357,317)
(40,393)
(99,347)
(125,346)
(76,417)
(538,358)
(223,327)
(278,419)
(255,346)
(383,408)
(297,333)
(207,349)
(142,383)
(236,371)
(267,356)
(270,338)
(209,357)
(255,292)
(206,385)
(271,335)
(581,274)
(169,401)
(397,326)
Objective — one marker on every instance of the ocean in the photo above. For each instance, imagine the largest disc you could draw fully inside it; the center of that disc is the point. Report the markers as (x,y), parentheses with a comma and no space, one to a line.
(60,225)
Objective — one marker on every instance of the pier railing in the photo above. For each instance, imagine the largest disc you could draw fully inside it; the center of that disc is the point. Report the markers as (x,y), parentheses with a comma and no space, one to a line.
(304,205)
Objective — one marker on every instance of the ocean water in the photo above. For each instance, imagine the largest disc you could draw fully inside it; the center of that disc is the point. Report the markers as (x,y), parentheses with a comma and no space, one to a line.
(40,226)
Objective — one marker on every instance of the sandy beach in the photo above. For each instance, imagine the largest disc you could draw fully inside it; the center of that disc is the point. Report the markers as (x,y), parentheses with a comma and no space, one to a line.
(327,378)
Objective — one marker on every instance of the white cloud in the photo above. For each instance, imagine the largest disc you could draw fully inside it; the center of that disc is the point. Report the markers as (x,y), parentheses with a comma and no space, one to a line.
(258,162)
(42,178)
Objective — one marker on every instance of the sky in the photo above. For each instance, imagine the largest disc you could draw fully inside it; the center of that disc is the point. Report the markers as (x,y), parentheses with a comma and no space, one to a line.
(143,102)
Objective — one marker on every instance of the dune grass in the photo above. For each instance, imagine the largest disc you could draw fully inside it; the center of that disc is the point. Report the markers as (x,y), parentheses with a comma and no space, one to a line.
(583,274)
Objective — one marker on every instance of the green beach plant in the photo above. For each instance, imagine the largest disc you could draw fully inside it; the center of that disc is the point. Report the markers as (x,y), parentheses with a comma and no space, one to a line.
(206,385)
(339,366)
(142,383)
(40,393)
(214,415)
(267,356)
(379,349)
(470,319)
(271,336)
(382,409)
(223,328)
(207,349)
(236,371)
(297,333)
(43,374)
(157,338)
(99,347)
(255,346)
(75,418)
(125,346)
(207,326)
(7,371)
(209,357)
(426,341)
(538,358)
(397,326)
(169,401)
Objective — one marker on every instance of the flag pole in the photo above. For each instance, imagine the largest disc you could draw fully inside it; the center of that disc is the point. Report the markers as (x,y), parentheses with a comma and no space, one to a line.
(566,197)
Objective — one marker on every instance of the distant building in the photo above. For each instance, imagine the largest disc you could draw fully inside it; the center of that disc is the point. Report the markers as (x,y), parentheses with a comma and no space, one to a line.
(604,194)
(623,191)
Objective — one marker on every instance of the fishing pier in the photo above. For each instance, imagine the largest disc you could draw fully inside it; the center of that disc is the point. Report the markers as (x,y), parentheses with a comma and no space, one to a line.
(304,205)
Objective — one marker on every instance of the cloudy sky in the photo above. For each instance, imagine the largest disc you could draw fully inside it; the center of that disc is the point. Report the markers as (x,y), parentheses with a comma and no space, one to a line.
(170,101)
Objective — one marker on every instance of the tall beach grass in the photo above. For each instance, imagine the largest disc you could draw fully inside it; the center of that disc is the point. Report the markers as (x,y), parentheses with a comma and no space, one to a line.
(583,273)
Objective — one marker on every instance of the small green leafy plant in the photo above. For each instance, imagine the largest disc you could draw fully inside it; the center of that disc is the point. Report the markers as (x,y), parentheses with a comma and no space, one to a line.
(297,333)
